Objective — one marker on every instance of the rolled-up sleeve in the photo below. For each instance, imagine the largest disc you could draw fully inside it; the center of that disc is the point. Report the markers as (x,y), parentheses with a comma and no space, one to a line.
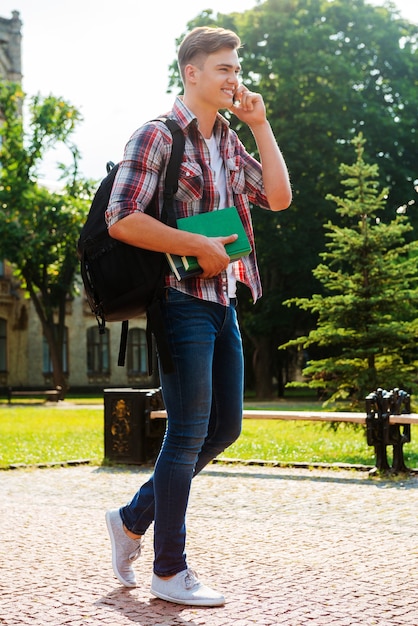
(138,175)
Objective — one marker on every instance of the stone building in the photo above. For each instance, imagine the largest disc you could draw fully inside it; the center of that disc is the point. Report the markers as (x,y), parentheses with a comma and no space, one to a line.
(90,359)
(13,309)
(10,48)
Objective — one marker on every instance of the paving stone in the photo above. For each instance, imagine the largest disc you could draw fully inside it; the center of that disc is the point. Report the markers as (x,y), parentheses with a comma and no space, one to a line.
(287,547)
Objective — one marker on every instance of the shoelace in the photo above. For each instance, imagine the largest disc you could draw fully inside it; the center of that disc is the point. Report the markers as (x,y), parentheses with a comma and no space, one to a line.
(190,580)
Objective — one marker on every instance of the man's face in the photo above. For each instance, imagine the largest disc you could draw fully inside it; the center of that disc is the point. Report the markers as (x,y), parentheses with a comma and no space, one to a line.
(217,78)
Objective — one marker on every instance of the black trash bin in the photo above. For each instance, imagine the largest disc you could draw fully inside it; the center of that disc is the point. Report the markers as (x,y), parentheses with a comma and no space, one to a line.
(130,435)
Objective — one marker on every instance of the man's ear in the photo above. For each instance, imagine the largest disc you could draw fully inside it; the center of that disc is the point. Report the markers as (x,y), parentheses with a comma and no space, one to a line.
(190,73)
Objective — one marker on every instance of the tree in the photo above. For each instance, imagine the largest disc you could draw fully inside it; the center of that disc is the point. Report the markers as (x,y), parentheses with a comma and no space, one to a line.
(366,319)
(327,70)
(39,228)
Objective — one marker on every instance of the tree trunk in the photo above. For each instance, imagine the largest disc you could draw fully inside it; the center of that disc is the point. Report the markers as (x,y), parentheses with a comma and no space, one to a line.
(55,351)
(52,339)
(262,367)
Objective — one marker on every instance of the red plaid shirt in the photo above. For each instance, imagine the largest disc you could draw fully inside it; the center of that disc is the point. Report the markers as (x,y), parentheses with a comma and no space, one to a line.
(142,171)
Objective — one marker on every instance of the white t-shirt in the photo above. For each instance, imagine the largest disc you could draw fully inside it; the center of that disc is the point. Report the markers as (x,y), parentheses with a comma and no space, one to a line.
(218,169)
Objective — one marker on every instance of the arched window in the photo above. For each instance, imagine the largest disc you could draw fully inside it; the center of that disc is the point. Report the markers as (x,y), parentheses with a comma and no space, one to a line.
(98,358)
(3,345)
(137,352)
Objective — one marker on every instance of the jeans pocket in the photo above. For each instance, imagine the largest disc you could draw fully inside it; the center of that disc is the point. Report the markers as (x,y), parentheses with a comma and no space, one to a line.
(174,296)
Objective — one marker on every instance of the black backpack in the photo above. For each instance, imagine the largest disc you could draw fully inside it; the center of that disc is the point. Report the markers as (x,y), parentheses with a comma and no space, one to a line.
(123,281)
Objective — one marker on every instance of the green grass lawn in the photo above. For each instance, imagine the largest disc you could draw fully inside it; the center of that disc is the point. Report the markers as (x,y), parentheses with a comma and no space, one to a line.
(39,434)
(36,433)
(301,442)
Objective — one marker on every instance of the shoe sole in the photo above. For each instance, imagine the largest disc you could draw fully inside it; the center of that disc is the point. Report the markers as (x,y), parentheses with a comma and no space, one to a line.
(124,582)
(213,602)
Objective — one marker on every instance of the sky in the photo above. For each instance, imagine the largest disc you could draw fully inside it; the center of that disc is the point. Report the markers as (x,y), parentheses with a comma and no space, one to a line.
(110,60)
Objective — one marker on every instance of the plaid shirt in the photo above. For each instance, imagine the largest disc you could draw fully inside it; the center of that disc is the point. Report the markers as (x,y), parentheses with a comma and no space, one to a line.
(141,174)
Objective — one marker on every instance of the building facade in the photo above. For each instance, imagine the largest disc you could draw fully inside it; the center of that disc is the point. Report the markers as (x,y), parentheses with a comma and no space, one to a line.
(13,309)
(90,358)
(10,48)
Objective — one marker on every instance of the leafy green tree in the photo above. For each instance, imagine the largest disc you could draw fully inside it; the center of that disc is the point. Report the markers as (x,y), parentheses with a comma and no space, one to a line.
(366,318)
(327,70)
(39,228)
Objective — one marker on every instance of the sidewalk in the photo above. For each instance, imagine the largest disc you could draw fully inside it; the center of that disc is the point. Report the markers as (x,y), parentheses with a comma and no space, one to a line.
(287,547)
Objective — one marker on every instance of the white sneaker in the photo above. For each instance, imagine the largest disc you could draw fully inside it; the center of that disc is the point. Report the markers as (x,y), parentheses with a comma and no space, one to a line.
(124,549)
(184,588)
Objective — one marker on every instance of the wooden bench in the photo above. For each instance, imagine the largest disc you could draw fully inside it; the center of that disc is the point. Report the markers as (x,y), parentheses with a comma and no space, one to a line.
(390,436)
(49,395)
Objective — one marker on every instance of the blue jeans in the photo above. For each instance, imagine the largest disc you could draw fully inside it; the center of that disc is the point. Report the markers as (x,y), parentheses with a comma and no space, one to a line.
(203,398)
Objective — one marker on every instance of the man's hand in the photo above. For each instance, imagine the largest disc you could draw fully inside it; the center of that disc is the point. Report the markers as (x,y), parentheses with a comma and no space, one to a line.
(213,258)
(249,107)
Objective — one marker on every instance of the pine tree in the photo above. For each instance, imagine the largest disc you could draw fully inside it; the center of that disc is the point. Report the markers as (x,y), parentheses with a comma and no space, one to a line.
(366,314)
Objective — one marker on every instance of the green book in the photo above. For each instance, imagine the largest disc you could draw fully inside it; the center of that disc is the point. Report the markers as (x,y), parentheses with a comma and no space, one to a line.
(219,223)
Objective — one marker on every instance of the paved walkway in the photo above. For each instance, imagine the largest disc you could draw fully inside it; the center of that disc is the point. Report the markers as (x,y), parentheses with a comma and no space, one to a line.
(288,547)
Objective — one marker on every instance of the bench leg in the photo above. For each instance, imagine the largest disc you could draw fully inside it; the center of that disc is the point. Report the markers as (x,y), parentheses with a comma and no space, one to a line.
(382,464)
(398,440)
(398,465)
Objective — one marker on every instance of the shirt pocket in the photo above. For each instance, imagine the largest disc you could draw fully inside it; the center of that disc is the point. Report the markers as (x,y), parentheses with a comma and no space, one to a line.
(236,174)
(190,182)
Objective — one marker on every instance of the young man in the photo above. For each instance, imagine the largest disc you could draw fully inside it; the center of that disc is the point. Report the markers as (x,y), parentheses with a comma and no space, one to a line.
(203,396)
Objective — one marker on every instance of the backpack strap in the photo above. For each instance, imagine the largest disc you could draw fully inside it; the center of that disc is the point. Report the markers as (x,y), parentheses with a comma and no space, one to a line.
(172,174)
(155,322)
(123,342)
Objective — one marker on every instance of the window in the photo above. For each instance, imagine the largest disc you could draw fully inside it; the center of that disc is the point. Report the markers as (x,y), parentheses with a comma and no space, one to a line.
(3,345)
(97,351)
(137,352)
(46,354)
(1,269)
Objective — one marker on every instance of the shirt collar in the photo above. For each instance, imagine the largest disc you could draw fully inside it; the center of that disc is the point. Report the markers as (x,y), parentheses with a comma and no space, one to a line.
(184,116)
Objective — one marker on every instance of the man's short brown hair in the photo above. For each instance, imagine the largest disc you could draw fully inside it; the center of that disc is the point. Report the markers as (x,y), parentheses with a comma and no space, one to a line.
(202,41)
